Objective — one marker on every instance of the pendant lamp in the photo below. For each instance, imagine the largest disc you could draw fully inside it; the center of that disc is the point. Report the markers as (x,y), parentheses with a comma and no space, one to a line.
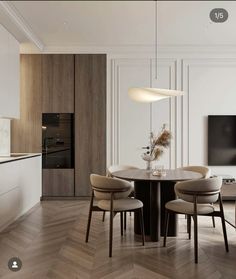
(149,95)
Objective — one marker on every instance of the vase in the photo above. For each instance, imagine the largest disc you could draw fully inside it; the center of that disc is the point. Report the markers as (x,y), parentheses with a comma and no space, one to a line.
(148,159)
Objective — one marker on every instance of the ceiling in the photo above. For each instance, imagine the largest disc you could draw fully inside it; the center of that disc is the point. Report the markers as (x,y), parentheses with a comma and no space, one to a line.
(55,26)
(89,22)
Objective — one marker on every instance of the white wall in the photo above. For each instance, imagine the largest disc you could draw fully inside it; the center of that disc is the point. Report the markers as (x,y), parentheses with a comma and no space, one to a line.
(208,81)
(211,88)
(197,56)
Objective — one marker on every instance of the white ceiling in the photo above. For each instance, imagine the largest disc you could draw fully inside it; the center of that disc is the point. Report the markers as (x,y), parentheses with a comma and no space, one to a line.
(90,22)
(56,26)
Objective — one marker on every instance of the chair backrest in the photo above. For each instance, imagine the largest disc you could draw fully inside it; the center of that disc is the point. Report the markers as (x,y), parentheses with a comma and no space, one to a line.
(103,186)
(207,190)
(204,171)
(115,168)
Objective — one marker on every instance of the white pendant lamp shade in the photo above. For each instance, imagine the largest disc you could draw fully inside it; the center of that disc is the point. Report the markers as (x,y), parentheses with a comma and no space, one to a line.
(149,95)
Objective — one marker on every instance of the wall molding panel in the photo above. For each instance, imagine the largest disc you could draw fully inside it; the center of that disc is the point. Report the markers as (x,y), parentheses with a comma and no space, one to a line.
(117,65)
(179,74)
(189,65)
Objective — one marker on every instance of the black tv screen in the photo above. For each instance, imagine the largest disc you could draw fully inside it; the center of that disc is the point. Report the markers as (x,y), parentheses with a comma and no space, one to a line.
(222,140)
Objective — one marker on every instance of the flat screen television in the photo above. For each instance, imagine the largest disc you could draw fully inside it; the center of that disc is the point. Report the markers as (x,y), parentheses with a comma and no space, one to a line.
(222,140)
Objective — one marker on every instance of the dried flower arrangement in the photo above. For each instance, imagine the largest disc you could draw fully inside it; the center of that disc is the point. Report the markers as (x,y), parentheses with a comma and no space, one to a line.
(157,144)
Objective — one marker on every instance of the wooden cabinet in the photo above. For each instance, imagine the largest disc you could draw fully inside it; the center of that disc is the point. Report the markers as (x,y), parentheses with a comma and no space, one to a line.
(55,83)
(58,183)
(58,83)
(9,75)
(27,131)
(90,119)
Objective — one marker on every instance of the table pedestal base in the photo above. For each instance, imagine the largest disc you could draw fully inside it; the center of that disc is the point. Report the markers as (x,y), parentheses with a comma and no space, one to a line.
(154,195)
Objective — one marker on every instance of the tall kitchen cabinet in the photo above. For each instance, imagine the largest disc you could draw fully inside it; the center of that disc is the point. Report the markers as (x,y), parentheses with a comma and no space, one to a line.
(64,83)
(90,119)
(58,81)
(27,131)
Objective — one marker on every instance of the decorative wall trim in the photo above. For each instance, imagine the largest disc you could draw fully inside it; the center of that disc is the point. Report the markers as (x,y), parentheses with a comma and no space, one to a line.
(187,64)
(114,112)
(20,22)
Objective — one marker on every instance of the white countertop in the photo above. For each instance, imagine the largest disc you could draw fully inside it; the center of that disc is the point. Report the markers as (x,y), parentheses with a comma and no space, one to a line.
(17,156)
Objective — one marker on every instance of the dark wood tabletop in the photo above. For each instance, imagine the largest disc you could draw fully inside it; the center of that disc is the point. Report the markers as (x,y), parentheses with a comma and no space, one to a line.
(171,175)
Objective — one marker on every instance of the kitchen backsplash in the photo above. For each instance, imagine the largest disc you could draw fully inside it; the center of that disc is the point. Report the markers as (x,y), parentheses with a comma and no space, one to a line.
(5,137)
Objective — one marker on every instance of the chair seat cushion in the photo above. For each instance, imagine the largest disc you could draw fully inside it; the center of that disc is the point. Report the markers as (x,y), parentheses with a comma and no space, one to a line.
(121,204)
(181,206)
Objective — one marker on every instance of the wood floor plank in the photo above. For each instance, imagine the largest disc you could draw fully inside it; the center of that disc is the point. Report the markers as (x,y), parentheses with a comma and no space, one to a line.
(50,241)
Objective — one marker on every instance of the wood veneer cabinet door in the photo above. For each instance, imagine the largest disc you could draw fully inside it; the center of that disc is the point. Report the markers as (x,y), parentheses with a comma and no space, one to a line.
(58,83)
(58,182)
(27,131)
(90,119)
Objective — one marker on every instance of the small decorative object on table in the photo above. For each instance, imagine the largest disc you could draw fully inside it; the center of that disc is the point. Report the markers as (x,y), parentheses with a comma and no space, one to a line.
(157,145)
(159,171)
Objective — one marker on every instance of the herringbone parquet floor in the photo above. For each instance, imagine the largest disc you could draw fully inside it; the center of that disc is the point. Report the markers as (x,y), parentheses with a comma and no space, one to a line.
(50,243)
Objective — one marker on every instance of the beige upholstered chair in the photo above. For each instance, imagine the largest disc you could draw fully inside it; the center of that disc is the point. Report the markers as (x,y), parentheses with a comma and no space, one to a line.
(130,193)
(196,198)
(111,188)
(115,168)
(204,171)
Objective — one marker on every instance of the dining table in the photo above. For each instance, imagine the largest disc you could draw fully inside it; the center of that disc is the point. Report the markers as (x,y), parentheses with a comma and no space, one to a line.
(154,191)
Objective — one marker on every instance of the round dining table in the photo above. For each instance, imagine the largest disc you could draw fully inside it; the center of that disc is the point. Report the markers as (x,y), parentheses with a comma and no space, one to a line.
(154,191)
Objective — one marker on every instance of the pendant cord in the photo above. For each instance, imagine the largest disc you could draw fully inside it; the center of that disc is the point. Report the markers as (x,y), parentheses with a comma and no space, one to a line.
(156,27)
(150,117)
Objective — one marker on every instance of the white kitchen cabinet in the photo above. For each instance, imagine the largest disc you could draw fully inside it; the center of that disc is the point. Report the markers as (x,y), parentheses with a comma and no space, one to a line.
(9,75)
(20,188)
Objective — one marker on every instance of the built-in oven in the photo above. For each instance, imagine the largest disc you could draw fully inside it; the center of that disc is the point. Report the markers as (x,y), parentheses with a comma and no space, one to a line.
(58,140)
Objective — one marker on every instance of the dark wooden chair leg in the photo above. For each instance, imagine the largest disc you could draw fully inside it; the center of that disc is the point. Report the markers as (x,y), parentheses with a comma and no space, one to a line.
(121,223)
(166,226)
(142,224)
(130,213)
(125,220)
(213,222)
(89,217)
(189,226)
(195,231)
(223,224)
(103,216)
(111,227)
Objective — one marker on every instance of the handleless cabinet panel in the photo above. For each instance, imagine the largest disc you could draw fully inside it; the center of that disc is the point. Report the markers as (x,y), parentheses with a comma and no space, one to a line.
(90,119)
(9,75)
(58,183)
(58,83)
(27,131)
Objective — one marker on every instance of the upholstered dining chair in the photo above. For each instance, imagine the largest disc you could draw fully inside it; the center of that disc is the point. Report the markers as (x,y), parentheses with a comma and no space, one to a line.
(110,170)
(206,173)
(196,198)
(108,191)
(203,170)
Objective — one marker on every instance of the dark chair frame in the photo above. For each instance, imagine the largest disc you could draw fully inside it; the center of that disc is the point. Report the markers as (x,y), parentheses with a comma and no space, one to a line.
(219,213)
(92,208)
